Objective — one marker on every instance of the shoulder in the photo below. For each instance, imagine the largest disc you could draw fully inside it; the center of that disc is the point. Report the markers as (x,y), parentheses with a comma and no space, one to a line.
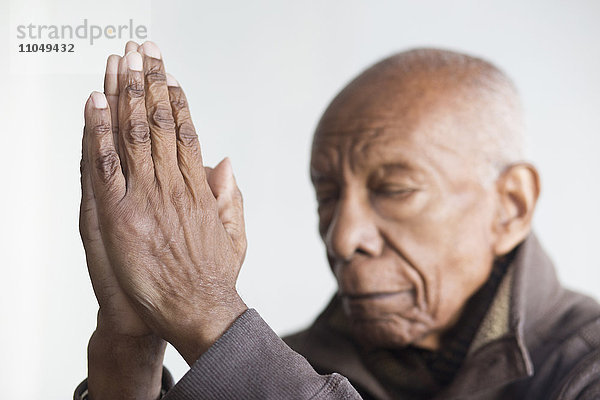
(567,361)
(583,382)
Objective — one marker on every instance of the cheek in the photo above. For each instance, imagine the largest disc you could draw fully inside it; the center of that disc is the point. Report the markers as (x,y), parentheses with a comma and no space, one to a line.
(448,243)
(466,240)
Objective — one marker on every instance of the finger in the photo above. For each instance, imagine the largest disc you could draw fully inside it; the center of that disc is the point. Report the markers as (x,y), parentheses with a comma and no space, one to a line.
(87,210)
(133,123)
(160,117)
(111,90)
(189,157)
(218,178)
(107,180)
(88,215)
(131,46)
(229,199)
(88,221)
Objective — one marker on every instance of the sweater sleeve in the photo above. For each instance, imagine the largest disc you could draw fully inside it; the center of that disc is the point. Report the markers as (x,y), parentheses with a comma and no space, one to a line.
(251,362)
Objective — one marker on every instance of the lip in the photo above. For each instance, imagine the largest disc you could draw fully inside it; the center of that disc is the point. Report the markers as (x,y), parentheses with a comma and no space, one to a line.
(376,295)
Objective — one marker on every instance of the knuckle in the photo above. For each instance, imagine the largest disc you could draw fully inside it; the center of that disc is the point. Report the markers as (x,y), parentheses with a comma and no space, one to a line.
(178,195)
(187,134)
(134,89)
(138,131)
(101,128)
(155,74)
(107,164)
(162,117)
(178,102)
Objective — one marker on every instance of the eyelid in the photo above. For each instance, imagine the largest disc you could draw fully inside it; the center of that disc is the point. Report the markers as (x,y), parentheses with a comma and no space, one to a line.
(394,190)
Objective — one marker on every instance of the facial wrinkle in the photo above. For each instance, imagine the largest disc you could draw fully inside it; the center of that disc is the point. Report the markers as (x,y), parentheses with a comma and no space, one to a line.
(422,299)
(361,147)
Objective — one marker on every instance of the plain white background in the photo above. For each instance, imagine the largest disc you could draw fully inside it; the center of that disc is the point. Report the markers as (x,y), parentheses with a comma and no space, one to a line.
(258,74)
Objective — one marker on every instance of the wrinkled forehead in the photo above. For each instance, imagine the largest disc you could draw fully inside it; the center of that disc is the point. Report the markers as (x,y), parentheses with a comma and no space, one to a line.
(358,140)
(414,139)
(417,118)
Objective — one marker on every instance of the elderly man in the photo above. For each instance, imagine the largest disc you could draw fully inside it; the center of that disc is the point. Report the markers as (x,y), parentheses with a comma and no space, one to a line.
(425,208)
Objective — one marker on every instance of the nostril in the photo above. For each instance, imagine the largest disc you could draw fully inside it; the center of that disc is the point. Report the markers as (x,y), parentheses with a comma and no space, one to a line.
(361,251)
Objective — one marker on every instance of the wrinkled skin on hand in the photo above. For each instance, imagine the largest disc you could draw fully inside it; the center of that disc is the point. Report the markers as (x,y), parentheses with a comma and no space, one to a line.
(173,231)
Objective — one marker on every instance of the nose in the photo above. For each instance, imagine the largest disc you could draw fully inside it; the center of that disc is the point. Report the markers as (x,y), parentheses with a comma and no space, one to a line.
(353,229)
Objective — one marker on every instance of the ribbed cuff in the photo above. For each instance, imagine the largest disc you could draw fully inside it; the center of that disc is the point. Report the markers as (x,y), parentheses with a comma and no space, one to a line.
(81,392)
(249,361)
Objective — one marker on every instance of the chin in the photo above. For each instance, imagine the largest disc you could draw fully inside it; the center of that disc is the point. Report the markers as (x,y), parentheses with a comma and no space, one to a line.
(390,320)
(388,333)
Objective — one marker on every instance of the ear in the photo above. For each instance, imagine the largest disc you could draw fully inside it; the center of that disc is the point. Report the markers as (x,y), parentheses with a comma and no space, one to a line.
(518,190)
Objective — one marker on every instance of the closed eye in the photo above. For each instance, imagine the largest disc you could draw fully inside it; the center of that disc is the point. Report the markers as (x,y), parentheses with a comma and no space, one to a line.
(393,191)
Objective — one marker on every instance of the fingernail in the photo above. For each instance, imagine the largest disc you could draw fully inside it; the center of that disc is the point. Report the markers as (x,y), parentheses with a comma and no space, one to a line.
(171,81)
(131,46)
(134,61)
(99,100)
(151,50)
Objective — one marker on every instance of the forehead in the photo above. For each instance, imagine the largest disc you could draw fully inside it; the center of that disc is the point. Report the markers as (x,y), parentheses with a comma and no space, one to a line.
(422,122)
(359,145)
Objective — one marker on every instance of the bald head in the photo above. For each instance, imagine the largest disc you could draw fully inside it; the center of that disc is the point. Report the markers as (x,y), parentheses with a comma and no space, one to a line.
(465,97)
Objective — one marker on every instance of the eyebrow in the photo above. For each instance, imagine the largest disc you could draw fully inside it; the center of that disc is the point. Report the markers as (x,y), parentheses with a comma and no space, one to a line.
(317,176)
(386,161)
(397,165)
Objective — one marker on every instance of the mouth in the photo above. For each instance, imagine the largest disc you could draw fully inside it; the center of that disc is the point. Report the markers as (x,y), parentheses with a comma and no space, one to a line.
(376,295)
(377,306)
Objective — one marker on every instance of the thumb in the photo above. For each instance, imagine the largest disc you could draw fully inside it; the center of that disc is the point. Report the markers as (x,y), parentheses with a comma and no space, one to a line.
(229,200)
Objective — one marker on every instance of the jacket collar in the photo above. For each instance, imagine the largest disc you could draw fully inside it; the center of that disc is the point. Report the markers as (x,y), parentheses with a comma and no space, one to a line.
(500,351)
